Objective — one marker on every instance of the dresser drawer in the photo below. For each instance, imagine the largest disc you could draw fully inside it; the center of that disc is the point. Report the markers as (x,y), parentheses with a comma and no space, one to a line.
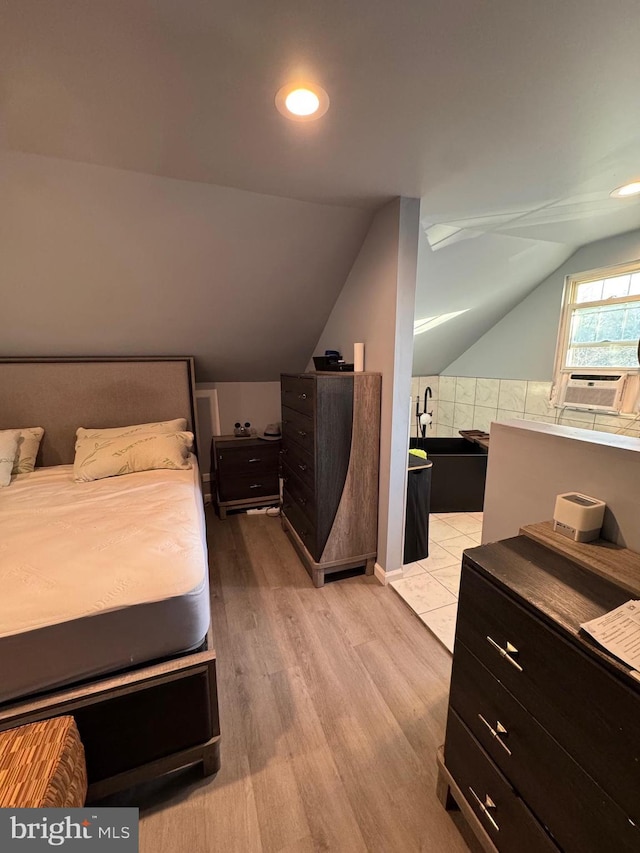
(298,428)
(300,461)
(585,708)
(583,818)
(298,393)
(247,486)
(505,817)
(304,527)
(300,493)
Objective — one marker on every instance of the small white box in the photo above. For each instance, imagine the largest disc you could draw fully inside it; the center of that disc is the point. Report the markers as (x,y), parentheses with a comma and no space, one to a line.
(578,517)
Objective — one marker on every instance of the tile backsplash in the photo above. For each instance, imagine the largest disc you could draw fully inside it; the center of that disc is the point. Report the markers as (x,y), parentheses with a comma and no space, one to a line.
(461,402)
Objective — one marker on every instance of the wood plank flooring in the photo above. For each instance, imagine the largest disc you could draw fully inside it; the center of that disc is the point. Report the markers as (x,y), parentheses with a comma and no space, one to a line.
(332,704)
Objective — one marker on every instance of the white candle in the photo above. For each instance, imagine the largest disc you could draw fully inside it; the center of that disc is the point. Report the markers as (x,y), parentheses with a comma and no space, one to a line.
(358,358)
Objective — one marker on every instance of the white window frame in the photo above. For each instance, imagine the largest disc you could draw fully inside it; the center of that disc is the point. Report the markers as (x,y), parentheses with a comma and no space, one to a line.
(569,305)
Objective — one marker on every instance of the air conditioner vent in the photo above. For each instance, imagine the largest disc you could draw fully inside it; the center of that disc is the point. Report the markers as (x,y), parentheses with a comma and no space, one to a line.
(590,391)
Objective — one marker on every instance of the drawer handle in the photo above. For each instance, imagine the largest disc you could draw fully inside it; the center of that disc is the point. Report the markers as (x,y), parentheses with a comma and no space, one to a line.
(498,733)
(302,396)
(302,501)
(255,459)
(256,486)
(302,467)
(484,808)
(507,653)
(301,432)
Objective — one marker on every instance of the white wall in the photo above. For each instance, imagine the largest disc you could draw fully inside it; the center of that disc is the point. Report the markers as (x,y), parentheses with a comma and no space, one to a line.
(529,464)
(376,306)
(102,261)
(255,402)
(522,345)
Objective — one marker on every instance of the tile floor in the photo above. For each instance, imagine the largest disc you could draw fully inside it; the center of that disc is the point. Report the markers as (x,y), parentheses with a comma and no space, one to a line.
(430,586)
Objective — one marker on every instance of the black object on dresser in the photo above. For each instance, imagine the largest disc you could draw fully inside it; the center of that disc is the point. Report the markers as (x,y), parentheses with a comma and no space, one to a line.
(244,472)
(330,456)
(542,750)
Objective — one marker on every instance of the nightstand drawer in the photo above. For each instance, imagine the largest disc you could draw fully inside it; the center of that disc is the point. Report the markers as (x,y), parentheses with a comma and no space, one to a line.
(584,707)
(248,486)
(584,818)
(504,816)
(303,526)
(298,428)
(236,459)
(298,393)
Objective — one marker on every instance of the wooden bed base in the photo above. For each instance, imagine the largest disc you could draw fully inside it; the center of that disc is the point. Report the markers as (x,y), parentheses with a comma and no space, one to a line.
(140,724)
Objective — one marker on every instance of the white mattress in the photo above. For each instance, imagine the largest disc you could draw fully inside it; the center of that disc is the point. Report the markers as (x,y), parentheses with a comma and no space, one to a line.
(98,576)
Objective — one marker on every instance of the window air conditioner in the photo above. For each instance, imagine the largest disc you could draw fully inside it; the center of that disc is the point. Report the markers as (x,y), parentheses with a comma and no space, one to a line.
(602,392)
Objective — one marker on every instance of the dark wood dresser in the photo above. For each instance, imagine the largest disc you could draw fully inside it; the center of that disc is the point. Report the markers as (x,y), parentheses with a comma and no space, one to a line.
(542,750)
(244,472)
(330,457)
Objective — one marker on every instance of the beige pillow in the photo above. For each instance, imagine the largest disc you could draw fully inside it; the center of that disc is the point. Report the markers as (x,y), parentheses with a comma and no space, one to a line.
(8,453)
(29,439)
(127,454)
(177,425)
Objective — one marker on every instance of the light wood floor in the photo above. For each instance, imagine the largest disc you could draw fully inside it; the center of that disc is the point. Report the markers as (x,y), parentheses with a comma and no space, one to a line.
(332,703)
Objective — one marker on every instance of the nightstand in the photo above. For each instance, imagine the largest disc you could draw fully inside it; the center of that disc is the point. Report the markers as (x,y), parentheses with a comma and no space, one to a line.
(244,472)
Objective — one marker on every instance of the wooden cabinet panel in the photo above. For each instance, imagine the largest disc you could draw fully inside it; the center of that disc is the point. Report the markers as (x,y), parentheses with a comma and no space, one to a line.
(540,703)
(583,818)
(330,450)
(504,816)
(299,392)
(303,526)
(300,492)
(552,679)
(298,429)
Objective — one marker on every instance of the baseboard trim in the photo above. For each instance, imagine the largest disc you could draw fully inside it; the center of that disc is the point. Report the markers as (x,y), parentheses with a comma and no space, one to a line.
(384,577)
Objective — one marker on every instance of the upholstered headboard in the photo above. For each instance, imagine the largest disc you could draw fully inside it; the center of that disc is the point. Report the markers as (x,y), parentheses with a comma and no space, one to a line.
(62,394)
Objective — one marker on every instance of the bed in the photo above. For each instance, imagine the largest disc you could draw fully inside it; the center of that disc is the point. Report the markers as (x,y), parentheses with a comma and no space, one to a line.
(105,605)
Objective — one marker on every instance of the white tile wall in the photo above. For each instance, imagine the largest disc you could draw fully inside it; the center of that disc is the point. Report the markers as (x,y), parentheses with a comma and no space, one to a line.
(461,402)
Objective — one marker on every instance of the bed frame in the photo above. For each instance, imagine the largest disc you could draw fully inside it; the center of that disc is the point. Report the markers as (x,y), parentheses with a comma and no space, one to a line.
(161,716)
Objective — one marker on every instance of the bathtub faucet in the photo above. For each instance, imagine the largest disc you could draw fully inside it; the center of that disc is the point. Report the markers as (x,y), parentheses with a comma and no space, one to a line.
(424,418)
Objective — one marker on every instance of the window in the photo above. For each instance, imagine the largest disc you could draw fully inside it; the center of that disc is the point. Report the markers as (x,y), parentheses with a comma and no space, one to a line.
(600,323)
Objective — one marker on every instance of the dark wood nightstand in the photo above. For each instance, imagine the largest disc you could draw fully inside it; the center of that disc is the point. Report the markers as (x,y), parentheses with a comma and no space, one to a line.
(244,472)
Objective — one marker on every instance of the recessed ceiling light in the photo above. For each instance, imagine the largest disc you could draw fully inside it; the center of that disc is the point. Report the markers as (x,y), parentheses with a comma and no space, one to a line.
(627,190)
(302,103)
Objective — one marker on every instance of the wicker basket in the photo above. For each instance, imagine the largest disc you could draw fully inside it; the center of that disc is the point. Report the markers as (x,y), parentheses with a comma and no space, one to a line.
(42,766)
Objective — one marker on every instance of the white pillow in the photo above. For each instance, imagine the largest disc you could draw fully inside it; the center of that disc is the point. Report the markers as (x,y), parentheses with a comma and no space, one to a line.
(8,453)
(29,439)
(177,425)
(127,454)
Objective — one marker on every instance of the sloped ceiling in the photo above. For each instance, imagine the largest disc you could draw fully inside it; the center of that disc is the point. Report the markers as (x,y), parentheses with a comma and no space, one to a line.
(488,112)
(100,261)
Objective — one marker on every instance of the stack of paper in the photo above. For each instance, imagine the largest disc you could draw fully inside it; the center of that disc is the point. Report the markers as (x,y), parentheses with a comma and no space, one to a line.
(619,632)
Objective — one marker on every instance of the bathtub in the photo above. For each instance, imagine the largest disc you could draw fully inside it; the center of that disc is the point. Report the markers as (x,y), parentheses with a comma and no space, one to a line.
(458,474)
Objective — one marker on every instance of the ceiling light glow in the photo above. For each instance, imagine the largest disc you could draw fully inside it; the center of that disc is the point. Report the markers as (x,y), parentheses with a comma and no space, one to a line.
(302,102)
(627,190)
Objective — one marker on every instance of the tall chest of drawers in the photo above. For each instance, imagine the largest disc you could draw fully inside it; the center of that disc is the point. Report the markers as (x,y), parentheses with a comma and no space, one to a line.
(330,458)
(542,749)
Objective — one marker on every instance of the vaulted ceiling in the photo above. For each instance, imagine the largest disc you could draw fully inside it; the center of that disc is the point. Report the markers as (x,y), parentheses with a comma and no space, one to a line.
(507,119)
